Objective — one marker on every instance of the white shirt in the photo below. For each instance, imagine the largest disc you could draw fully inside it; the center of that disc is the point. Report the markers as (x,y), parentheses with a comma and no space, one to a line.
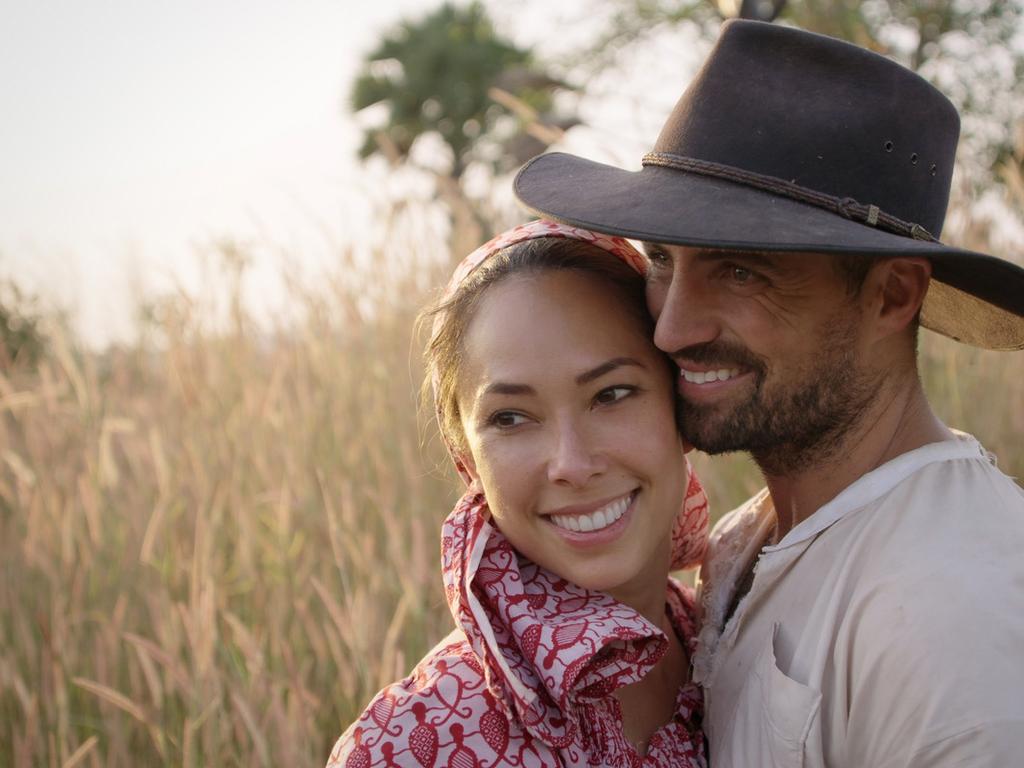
(885,630)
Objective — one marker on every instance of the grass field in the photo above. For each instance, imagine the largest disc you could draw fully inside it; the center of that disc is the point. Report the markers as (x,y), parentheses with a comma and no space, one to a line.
(216,545)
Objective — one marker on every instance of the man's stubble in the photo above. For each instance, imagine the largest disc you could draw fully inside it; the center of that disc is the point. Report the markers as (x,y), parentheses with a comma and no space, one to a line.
(788,423)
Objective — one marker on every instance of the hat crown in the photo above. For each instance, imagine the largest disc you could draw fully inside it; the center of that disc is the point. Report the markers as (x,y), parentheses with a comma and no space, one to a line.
(822,114)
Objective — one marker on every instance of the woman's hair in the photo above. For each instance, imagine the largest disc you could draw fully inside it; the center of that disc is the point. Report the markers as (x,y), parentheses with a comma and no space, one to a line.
(452,317)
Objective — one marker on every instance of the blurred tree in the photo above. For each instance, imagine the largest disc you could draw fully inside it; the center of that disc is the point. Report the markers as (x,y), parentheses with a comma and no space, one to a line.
(631,22)
(756,10)
(21,340)
(452,76)
(973,50)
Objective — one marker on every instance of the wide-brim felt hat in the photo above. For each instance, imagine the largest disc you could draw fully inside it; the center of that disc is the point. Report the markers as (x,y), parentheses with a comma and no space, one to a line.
(792,141)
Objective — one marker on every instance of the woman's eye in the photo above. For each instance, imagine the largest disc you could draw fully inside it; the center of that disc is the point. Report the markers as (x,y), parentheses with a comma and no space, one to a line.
(613,394)
(507,419)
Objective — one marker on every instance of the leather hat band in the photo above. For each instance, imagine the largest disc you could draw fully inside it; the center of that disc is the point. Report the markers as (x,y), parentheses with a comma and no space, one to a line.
(846,207)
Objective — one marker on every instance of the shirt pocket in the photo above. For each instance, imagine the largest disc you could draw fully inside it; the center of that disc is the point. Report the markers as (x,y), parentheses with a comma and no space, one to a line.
(781,713)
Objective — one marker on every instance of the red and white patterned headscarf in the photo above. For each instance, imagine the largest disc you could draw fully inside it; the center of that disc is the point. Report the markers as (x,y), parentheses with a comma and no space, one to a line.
(690,531)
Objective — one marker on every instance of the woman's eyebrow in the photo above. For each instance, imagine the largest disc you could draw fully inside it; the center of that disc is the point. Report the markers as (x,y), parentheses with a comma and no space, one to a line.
(508,388)
(505,388)
(616,362)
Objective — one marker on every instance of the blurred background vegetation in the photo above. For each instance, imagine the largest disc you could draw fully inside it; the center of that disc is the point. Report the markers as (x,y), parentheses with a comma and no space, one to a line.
(217,542)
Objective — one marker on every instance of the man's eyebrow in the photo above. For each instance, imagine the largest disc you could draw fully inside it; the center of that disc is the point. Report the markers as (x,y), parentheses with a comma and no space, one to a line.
(762,258)
(616,362)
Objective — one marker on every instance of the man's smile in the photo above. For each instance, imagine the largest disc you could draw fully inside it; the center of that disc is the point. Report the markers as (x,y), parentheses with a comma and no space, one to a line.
(703,383)
(707,376)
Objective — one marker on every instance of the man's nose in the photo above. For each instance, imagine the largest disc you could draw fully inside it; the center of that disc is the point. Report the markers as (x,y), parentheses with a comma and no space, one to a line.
(576,458)
(684,312)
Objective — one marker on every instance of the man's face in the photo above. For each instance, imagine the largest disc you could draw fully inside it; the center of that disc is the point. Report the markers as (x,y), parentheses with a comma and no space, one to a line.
(770,350)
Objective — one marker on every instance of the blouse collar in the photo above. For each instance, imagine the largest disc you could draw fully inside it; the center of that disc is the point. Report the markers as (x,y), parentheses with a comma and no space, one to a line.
(545,643)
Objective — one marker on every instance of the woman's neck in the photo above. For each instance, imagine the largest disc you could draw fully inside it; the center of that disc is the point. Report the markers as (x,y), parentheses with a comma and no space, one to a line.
(645,594)
(649,704)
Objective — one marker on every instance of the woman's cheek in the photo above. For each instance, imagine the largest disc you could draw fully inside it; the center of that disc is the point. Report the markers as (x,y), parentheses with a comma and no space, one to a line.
(500,464)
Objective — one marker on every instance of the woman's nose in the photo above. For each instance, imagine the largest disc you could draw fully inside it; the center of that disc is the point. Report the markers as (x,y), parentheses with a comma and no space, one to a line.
(575,456)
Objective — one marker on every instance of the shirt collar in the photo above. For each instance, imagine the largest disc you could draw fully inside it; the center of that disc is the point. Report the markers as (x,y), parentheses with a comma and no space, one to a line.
(878,482)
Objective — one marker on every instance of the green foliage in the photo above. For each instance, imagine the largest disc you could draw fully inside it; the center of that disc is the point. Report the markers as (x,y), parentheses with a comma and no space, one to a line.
(970,50)
(989,22)
(21,341)
(633,21)
(434,74)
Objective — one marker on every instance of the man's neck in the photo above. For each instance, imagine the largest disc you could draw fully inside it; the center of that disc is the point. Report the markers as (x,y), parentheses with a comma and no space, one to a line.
(898,421)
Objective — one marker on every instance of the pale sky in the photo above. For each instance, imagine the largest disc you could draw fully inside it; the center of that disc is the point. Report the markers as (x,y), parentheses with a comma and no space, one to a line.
(134,131)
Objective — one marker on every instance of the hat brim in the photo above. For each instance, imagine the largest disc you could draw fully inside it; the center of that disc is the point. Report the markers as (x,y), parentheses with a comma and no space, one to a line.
(664,205)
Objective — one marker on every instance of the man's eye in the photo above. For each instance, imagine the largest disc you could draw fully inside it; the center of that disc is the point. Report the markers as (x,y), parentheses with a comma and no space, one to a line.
(741,275)
(613,394)
(658,258)
(507,419)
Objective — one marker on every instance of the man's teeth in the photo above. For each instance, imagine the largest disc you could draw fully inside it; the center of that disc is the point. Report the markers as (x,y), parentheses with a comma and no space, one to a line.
(595,521)
(703,377)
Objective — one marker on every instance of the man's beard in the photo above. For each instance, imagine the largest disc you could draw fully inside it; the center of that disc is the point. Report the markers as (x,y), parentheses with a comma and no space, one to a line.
(800,424)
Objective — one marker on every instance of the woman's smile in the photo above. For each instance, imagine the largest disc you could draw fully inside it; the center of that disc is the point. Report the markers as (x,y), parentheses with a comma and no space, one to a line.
(603,523)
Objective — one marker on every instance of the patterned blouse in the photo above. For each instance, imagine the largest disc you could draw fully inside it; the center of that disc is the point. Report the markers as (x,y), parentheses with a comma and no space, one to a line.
(526,678)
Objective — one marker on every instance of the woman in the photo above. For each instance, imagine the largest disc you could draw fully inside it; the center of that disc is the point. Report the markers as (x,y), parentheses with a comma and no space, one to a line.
(572,642)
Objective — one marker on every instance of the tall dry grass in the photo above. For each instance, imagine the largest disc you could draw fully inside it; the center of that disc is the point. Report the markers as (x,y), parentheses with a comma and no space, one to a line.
(215,545)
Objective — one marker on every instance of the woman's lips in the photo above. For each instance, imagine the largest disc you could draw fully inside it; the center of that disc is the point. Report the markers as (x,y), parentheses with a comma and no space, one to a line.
(601,525)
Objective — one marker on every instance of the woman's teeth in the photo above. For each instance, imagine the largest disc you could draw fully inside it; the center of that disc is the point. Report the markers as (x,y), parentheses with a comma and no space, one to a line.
(595,521)
(703,377)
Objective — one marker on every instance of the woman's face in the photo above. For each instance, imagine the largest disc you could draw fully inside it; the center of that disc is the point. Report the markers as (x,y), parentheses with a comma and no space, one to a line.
(567,408)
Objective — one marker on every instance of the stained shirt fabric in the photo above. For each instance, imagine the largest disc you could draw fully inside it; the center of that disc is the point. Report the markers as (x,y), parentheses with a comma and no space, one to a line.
(526,678)
(885,630)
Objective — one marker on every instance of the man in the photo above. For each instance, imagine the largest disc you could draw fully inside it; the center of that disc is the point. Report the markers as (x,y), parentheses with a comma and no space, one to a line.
(867,608)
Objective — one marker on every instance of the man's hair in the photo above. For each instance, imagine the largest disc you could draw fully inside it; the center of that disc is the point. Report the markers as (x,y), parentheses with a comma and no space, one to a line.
(451,318)
(853,268)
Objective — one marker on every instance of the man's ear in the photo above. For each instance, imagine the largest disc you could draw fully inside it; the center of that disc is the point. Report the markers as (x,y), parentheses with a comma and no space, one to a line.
(901,284)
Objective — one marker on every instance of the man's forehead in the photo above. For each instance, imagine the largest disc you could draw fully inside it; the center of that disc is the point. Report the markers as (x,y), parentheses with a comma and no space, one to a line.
(721,254)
